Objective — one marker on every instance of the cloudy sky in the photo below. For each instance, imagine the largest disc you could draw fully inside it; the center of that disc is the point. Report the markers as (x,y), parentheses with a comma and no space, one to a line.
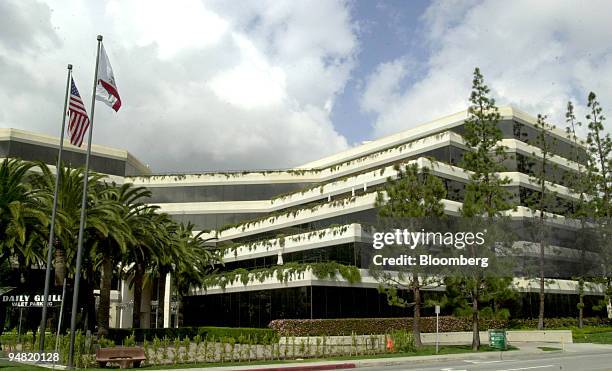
(267,84)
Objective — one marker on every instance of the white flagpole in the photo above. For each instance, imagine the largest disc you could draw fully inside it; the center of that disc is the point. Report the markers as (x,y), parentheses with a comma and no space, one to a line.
(79,257)
(43,321)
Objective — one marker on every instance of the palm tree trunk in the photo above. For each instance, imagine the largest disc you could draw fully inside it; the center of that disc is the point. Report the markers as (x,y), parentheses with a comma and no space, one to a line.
(59,264)
(105,292)
(90,303)
(161,300)
(138,279)
(416,317)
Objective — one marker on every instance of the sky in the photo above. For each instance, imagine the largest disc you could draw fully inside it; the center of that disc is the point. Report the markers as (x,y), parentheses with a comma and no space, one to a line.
(210,85)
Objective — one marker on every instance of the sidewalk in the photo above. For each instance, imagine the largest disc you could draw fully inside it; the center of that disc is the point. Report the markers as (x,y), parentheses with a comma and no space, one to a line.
(524,348)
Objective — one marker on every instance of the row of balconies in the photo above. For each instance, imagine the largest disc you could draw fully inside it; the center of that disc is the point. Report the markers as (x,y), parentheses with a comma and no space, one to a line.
(376,159)
(308,278)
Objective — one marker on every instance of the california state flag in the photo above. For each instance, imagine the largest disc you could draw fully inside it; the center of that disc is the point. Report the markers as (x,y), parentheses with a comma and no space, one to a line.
(106,89)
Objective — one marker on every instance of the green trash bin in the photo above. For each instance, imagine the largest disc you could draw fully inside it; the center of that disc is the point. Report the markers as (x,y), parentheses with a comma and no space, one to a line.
(498,339)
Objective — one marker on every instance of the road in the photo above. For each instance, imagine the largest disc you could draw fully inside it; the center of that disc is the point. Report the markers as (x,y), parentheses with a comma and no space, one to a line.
(585,360)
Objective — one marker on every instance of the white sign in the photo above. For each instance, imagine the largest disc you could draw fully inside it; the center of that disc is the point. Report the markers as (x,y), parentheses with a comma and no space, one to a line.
(31,300)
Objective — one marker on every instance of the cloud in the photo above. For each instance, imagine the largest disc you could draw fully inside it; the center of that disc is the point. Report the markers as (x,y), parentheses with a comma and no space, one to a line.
(25,27)
(383,86)
(207,85)
(536,56)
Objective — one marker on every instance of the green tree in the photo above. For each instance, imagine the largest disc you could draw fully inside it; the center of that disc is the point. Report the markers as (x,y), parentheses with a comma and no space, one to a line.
(580,182)
(599,146)
(162,263)
(485,196)
(543,201)
(22,218)
(109,252)
(104,223)
(412,197)
(68,212)
(196,259)
(152,242)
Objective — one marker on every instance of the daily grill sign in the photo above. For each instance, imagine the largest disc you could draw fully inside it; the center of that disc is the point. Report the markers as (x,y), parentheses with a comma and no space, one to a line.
(29,300)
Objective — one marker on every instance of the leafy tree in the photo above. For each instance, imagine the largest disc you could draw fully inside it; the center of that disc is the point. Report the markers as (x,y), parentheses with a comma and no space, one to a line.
(109,252)
(413,196)
(121,231)
(22,218)
(151,243)
(161,264)
(485,196)
(599,146)
(68,212)
(196,260)
(580,182)
(105,227)
(542,201)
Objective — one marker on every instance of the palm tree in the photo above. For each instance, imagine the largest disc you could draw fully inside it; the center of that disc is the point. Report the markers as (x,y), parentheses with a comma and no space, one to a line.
(106,228)
(169,248)
(107,237)
(22,219)
(68,211)
(195,259)
(111,251)
(153,232)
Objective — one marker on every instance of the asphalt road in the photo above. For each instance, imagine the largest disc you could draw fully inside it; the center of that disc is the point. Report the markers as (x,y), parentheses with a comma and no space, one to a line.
(594,360)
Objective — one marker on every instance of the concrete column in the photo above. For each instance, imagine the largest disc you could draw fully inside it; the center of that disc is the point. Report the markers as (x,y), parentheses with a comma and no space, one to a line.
(115,312)
(167,297)
(127,299)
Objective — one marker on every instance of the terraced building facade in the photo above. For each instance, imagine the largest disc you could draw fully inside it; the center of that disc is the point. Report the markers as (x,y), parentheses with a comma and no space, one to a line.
(293,240)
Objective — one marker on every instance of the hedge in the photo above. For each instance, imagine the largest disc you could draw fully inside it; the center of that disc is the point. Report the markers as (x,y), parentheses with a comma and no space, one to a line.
(238,334)
(369,326)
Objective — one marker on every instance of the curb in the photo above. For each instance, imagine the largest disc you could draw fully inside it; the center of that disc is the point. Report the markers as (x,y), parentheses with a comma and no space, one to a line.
(338,366)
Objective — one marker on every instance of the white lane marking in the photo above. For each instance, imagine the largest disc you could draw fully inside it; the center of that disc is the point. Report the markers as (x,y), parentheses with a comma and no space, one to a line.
(451,369)
(481,362)
(526,368)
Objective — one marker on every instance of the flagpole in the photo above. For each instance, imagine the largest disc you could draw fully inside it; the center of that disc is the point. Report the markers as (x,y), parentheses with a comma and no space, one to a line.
(43,321)
(79,257)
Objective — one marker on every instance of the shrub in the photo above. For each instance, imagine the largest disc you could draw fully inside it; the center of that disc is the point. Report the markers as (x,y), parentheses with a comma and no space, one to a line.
(240,335)
(403,341)
(369,326)
(562,322)
(129,341)
(105,343)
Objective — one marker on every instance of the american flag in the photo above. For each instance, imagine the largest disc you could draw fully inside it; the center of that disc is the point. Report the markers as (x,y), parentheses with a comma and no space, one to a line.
(79,121)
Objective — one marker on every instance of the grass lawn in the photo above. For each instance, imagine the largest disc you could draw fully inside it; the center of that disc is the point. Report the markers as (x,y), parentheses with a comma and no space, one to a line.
(591,334)
(12,366)
(425,351)
(549,349)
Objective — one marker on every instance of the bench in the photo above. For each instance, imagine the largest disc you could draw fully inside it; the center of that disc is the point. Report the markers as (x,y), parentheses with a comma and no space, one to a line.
(125,357)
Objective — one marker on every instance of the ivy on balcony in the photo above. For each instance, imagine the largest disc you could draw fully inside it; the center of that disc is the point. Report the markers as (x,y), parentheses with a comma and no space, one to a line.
(283,273)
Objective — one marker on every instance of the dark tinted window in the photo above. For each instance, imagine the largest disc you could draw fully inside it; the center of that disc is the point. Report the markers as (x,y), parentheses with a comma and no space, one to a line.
(213,221)
(225,192)
(527,134)
(48,155)
(4,148)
